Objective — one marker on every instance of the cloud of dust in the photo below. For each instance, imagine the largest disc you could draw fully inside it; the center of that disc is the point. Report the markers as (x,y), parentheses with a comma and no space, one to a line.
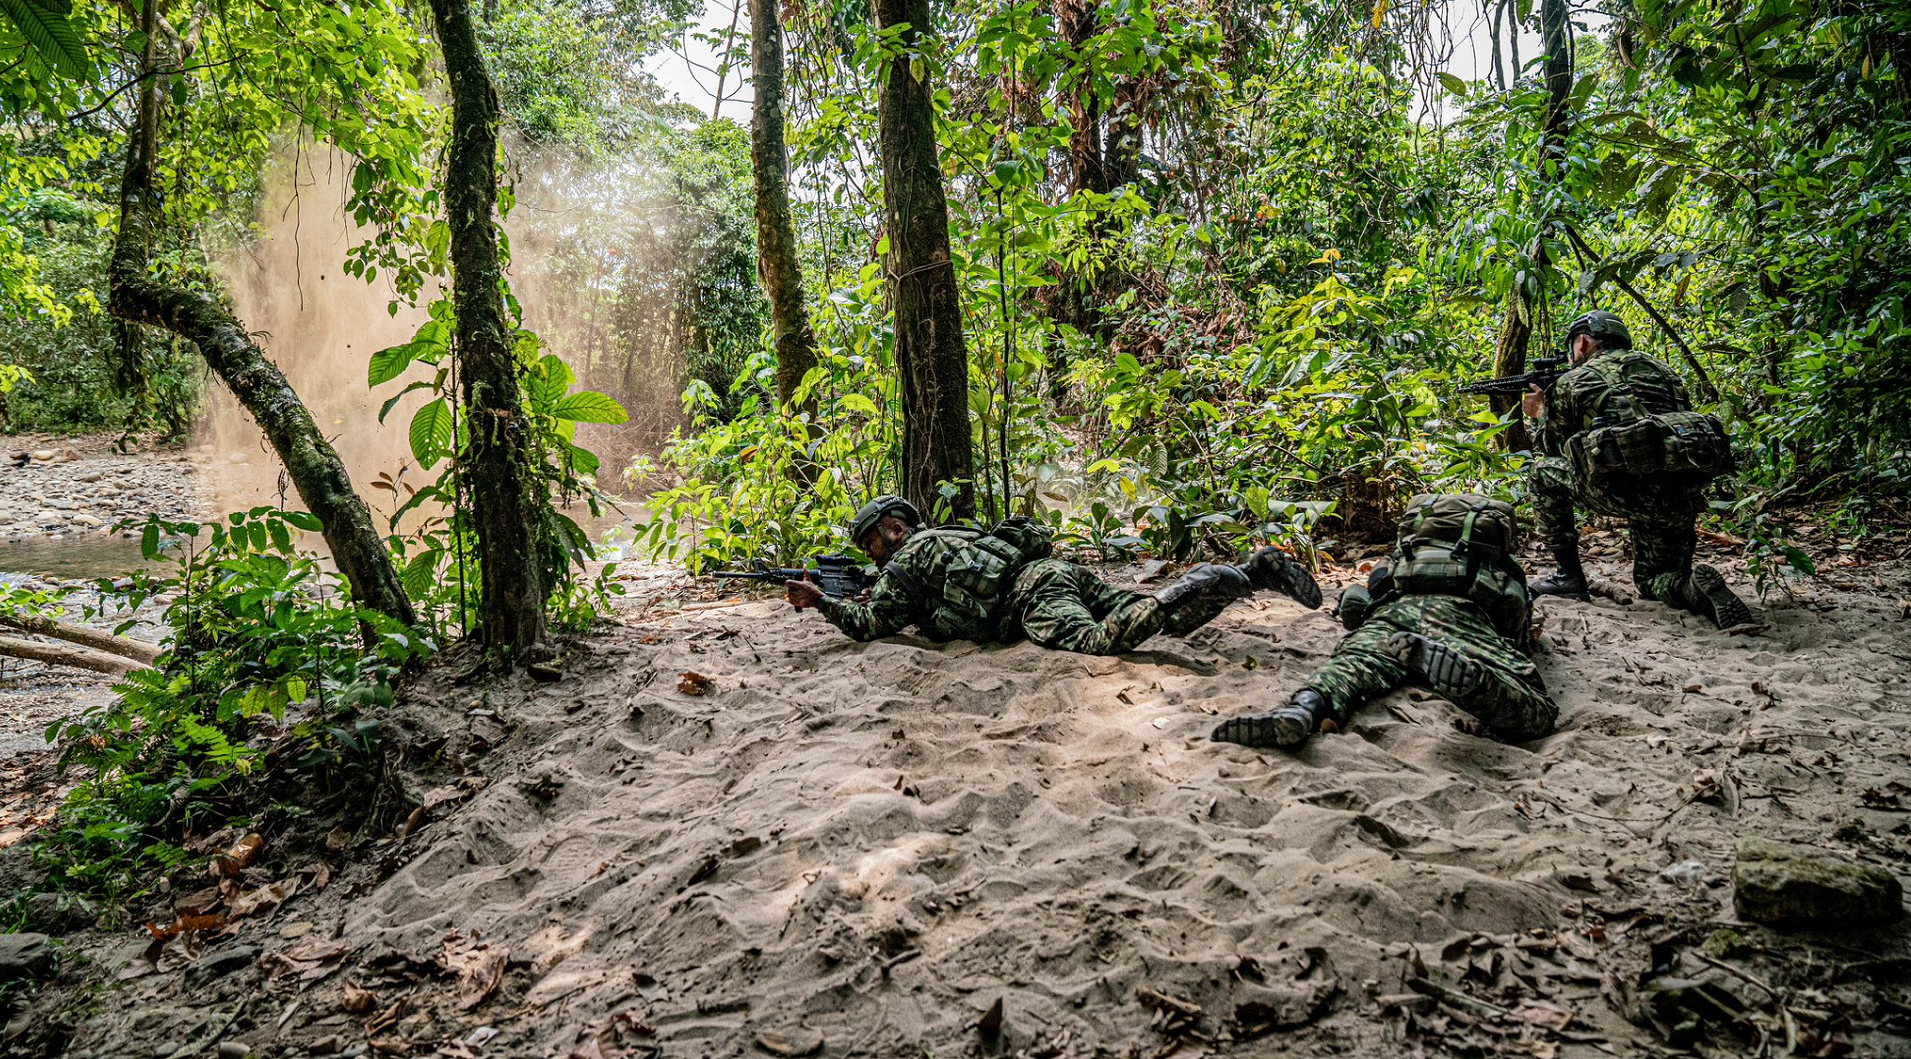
(579,239)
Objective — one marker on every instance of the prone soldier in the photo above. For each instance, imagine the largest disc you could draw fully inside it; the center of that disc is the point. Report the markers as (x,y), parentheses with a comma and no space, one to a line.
(1002,586)
(1449,612)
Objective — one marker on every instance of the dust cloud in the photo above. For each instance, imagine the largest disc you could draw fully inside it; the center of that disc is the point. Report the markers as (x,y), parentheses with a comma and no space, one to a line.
(577,238)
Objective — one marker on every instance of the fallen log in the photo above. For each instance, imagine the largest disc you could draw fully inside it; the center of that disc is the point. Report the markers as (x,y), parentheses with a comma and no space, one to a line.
(65,654)
(97,639)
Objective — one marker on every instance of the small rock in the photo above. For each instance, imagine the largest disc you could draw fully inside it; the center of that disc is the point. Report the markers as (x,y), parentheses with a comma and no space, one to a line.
(234,1050)
(50,518)
(225,961)
(81,518)
(43,455)
(1785,885)
(91,476)
(165,1049)
(25,955)
(800,1041)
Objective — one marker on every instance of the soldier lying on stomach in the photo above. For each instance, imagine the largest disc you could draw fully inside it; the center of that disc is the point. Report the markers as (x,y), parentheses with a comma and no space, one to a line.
(1002,586)
(1451,613)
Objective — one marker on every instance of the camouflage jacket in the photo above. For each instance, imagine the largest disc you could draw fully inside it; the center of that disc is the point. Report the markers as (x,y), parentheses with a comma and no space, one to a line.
(1583,394)
(907,591)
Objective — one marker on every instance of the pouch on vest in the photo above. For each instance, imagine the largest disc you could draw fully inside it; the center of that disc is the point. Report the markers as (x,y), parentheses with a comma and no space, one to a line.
(1460,544)
(1669,447)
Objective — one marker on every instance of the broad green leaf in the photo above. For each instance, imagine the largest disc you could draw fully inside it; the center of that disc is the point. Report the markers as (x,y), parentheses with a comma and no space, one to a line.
(589,406)
(431,433)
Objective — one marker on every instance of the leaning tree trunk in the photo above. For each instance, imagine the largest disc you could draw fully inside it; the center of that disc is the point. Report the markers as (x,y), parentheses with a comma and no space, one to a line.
(505,503)
(775,232)
(1517,329)
(931,354)
(137,297)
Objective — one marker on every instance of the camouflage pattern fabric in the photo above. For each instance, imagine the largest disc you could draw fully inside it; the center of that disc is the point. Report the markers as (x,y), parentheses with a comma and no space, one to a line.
(903,593)
(1662,517)
(1511,701)
(1054,603)
(1061,605)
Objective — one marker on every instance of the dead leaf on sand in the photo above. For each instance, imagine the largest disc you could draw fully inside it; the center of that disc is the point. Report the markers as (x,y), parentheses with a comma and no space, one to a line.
(691,683)
(234,860)
(337,839)
(356,1000)
(478,964)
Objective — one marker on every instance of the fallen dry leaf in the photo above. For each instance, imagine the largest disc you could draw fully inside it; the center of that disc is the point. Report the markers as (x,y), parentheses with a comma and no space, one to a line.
(337,839)
(693,683)
(264,900)
(234,860)
(356,1000)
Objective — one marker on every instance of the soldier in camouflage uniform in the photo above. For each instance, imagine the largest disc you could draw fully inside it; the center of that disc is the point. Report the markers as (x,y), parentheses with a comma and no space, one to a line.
(1662,516)
(1050,602)
(1442,641)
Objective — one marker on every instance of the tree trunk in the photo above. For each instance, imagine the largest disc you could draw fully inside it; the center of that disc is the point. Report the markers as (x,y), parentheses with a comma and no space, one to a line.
(775,232)
(135,297)
(97,639)
(506,506)
(1517,329)
(69,655)
(932,357)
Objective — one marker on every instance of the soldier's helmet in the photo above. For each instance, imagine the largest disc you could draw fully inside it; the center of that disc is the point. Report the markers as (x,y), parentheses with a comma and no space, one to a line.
(1602,325)
(871,514)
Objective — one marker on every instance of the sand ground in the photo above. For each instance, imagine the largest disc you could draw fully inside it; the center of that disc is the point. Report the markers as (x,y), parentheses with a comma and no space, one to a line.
(906,848)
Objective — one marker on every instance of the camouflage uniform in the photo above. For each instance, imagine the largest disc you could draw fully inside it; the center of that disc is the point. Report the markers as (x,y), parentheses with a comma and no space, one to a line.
(1512,699)
(1663,519)
(1053,603)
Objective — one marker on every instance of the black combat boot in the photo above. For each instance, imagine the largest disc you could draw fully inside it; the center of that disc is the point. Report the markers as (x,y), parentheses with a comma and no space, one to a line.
(1445,670)
(1704,592)
(1288,726)
(1569,580)
(1205,583)
(1271,569)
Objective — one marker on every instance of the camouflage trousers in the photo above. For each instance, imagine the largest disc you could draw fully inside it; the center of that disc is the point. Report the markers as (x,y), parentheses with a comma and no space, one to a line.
(1512,700)
(1064,606)
(1663,522)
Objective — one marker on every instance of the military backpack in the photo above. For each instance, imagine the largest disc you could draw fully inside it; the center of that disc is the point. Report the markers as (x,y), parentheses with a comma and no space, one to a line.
(977,571)
(1453,544)
(1642,428)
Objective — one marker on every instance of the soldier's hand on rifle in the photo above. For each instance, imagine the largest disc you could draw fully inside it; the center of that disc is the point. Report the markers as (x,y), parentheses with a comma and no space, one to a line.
(1533,402)
(802,594)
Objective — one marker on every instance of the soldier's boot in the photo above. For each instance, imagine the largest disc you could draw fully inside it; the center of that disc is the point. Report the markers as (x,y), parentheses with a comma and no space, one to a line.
(1704,592)
(1288,726)
(1271,569)
(1200,594)
(1569,580)
(1446,670)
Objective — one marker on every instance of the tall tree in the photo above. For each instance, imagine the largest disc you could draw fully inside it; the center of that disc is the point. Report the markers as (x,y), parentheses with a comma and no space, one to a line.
(775,233)
(1516,330)
(139,295)
(506,504)
(932,356)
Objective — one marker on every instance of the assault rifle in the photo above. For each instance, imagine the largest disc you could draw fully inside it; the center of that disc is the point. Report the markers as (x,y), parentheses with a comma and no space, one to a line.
(838,576)
(1546,371)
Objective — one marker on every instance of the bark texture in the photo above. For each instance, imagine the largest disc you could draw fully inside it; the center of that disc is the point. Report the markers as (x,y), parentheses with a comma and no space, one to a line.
(70,655)
(310,461)
(775,232)
(505,502)
(1517,328)
(932,356)
(97,639)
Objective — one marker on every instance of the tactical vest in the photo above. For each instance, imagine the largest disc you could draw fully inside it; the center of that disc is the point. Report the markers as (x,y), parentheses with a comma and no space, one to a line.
(1453,544)
(1640,428)
(959,591)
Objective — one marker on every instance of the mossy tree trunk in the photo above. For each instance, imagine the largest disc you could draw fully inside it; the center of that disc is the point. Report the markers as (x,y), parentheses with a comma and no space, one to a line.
(506,502)
(135,296)
(932,357)
(1517,328)
(775,232)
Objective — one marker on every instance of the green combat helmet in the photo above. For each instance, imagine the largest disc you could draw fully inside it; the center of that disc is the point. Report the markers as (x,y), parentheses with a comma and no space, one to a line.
(869,515)
(1607,328)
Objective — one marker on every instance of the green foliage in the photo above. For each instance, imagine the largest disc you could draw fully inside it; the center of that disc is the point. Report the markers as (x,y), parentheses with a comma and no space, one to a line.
(264,654)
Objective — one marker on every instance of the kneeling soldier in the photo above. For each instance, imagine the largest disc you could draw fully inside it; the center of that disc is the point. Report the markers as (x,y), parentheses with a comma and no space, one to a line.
(1450,612)
(1002,586)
